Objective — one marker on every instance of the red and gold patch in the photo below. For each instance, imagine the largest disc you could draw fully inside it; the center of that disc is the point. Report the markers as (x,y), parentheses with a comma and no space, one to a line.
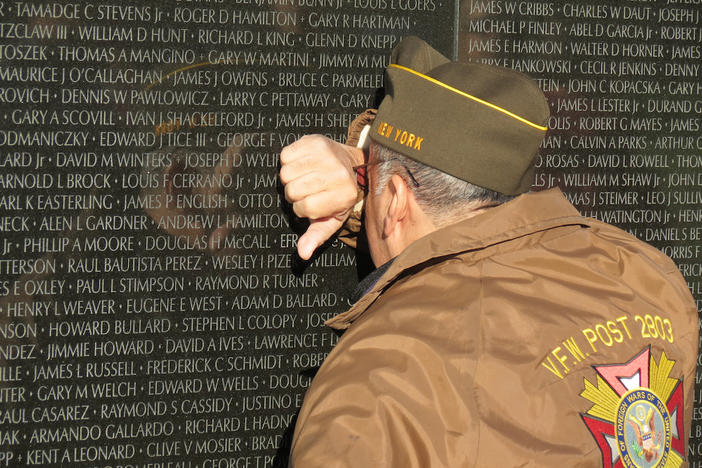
(637,413)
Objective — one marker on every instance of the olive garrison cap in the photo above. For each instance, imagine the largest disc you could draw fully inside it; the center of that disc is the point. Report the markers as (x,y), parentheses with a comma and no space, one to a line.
(480,123)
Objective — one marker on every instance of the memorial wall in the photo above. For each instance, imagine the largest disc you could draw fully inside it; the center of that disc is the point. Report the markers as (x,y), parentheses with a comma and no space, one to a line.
(153,311)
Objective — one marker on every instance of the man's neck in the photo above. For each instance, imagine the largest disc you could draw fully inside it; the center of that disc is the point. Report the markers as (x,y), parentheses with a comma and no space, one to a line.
(468,211)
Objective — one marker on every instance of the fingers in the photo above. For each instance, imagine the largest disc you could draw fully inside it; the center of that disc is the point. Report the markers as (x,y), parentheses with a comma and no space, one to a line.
(317,233)
(301,167)
(341,189)
(302,147)
(313,153)
(314,161)
(323,205)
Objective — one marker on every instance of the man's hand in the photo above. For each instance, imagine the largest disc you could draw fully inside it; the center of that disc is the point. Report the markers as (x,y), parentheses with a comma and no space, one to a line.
(320,183)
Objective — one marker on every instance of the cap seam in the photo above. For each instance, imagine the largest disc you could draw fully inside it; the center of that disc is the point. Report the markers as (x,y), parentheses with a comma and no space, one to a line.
(476,99)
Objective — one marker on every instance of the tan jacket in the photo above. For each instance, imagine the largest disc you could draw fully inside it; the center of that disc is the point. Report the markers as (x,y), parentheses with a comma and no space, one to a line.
(526,336)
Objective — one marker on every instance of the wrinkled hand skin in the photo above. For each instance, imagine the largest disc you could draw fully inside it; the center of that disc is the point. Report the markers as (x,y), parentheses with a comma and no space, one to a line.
(319,181)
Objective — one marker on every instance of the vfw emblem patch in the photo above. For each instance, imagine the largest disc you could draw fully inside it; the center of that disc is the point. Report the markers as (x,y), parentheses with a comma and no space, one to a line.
(636,416)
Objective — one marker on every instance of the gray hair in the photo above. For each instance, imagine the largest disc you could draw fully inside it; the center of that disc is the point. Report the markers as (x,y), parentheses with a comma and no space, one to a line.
(443,197)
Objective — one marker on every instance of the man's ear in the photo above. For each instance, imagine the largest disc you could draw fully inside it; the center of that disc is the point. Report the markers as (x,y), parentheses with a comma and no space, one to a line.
(398,208)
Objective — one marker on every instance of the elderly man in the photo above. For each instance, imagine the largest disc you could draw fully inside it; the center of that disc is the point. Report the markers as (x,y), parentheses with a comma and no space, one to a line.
(501,327)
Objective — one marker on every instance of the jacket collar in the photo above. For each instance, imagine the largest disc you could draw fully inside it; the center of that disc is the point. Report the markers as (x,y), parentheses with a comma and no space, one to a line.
(369,281)
(526,214)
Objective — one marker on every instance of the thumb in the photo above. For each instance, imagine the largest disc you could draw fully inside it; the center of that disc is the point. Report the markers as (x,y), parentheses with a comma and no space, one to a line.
(317,233)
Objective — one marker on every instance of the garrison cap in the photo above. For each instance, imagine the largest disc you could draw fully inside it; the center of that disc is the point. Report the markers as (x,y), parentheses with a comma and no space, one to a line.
(479,123)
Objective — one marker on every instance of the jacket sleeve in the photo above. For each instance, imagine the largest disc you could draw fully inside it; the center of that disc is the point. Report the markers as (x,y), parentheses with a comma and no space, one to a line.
(375,405)
(350,231)
(354,426)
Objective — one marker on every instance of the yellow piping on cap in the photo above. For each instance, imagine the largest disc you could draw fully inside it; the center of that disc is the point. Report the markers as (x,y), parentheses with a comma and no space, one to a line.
(458,91)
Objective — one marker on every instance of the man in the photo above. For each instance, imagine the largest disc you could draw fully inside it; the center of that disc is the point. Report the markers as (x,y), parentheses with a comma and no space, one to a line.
(498,330)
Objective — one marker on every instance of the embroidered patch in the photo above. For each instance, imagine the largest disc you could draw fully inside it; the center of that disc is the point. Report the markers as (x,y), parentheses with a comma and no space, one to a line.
(636,416)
